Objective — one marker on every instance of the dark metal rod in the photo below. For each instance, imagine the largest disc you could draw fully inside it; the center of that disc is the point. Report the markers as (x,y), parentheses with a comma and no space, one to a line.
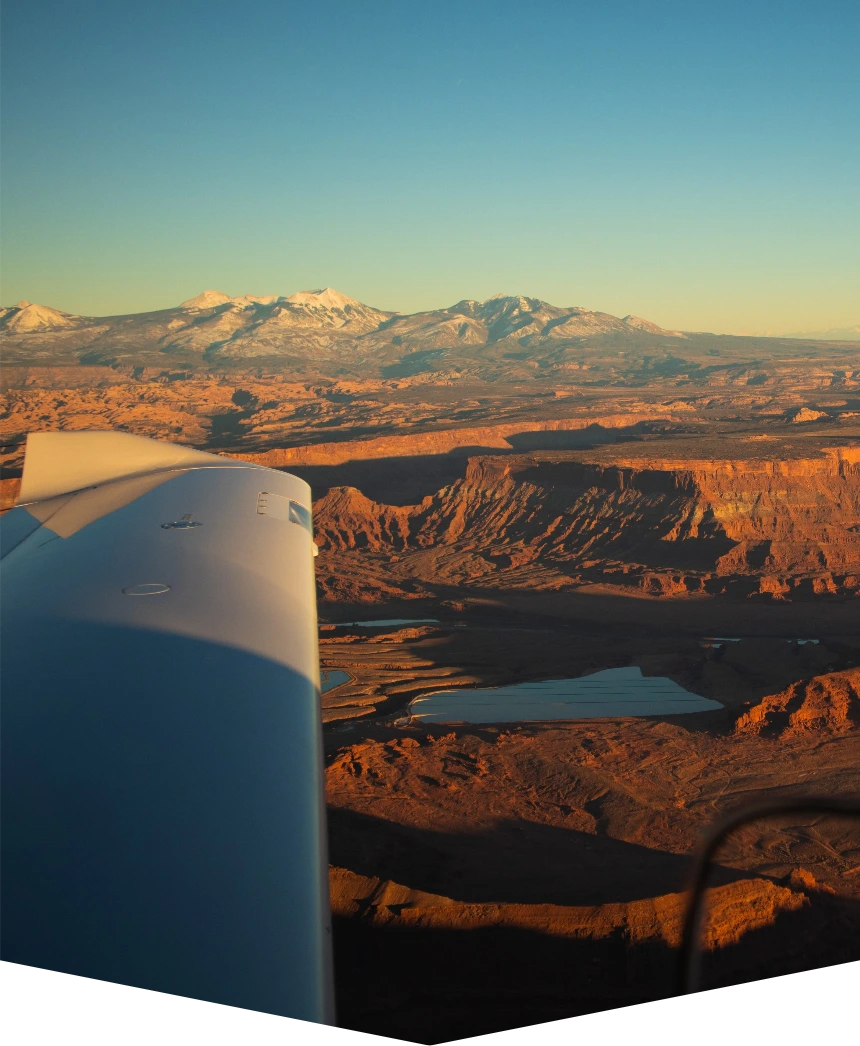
(691,953)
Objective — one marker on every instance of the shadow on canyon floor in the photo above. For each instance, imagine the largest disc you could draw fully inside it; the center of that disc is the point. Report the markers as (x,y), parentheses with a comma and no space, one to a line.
(391,481)
(514,861)
(432,985)
(406,480)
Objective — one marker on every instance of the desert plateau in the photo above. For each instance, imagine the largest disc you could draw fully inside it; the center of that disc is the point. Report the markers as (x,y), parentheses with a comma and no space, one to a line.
(509,493)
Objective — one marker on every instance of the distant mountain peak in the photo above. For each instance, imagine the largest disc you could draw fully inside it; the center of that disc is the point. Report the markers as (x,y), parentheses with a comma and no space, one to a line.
(29,317)
(514,298)
(206,300)
(252,300)
(327,297)
(648,325)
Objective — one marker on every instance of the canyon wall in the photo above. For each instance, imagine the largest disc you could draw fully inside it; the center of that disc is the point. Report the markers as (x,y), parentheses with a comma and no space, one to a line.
(780,529)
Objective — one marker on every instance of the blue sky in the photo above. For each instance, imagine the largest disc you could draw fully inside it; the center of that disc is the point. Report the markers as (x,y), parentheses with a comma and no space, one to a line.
(695,163)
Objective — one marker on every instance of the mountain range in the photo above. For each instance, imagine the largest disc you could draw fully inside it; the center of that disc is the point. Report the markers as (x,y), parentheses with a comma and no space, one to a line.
(322,332)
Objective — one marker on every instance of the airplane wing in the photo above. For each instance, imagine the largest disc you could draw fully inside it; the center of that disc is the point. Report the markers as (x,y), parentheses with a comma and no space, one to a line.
(163,812)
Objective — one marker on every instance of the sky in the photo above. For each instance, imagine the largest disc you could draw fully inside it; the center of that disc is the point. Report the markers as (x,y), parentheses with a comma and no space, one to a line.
(697,164)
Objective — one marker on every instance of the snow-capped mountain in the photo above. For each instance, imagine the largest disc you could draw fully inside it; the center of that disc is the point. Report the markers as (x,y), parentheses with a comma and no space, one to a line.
(323,332)
(25,316)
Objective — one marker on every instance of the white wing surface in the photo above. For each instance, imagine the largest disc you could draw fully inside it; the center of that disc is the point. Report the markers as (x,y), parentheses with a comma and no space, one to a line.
(163,813)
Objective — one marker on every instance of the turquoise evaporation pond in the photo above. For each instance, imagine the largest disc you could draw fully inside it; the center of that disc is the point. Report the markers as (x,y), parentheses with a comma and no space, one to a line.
(385,622)
(330,679)
(611,693)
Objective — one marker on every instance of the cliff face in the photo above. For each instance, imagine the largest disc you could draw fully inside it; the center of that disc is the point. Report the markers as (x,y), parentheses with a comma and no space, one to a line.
(828,703)
(780,529)
(789,518)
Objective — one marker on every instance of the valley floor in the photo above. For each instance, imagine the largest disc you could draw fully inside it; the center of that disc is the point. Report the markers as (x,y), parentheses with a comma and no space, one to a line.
(493,876)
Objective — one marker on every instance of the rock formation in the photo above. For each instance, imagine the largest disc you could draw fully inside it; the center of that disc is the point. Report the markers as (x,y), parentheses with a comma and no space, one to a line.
(824,704)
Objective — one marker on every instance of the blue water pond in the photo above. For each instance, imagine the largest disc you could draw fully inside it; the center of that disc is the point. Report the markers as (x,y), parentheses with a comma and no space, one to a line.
(611,693)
